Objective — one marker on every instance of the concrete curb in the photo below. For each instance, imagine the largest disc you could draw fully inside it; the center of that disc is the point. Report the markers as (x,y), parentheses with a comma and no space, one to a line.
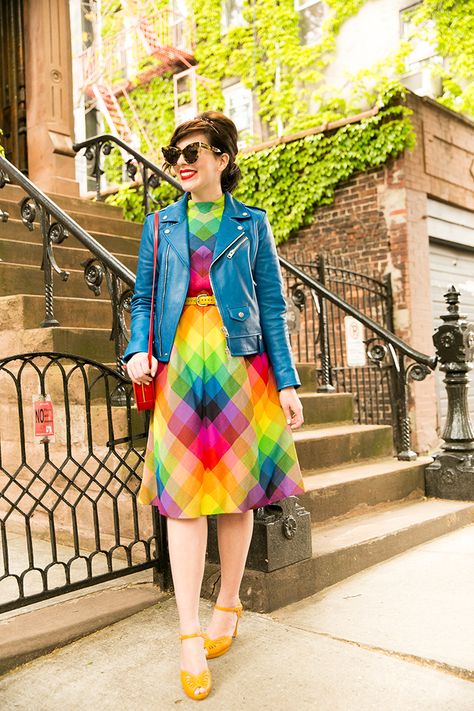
(32,634)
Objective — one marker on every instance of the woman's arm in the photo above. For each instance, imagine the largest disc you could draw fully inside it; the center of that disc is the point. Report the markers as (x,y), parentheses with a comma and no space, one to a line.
(272,305)
(140,304)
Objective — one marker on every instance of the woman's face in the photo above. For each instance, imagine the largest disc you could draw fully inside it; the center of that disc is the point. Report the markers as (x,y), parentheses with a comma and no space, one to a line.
(202,178)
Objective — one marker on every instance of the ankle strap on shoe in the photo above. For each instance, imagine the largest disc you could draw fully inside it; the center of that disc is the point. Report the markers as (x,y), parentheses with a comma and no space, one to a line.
(238,608)
(194,634)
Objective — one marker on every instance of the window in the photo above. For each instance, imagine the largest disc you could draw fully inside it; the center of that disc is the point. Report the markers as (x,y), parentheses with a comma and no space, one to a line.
(419,76)
(185,96)
(238,107)
(419,36)
(311,16)
(178,24)
(232,15)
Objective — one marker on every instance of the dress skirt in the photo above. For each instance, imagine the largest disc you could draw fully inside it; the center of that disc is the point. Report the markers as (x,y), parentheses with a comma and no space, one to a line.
(218,440)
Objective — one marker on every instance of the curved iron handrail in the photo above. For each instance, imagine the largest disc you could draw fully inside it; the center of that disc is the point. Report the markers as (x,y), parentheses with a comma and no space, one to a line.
(66,221)
(96,145)
(385,334)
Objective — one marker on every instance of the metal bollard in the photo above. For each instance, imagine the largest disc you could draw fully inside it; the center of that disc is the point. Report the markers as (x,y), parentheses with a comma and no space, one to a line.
(451,474)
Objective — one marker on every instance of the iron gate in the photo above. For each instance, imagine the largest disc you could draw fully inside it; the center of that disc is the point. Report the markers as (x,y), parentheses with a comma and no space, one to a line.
(71,448)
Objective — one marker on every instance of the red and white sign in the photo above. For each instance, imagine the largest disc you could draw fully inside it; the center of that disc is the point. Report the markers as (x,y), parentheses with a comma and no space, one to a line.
(44,420)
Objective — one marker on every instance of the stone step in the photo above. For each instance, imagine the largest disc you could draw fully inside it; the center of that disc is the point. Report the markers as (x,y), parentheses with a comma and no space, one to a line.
(333,445)
(117,226)
(27,311)
(67,256)
(321,408)
(26,279)
(92,343)
(116,244)
(11,195)
(307,373)
(345,547)
(357,487)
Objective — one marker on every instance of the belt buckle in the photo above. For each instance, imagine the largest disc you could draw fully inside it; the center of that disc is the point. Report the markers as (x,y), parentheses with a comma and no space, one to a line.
(197,299)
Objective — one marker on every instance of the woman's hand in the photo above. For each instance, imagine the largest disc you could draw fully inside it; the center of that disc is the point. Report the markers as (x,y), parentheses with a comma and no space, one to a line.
(138,370)
(292,407)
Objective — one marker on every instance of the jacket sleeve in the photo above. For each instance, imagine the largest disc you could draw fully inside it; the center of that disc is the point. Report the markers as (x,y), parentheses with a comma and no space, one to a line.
(272,306)
(140,303)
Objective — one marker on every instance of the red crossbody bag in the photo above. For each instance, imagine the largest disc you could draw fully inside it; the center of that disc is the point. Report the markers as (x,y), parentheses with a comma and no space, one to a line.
(144,393)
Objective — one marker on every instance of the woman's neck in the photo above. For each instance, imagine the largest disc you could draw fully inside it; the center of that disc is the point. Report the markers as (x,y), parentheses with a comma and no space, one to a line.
(206,195)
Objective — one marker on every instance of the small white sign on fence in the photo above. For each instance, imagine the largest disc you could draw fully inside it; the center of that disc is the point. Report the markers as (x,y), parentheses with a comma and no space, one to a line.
(355,347)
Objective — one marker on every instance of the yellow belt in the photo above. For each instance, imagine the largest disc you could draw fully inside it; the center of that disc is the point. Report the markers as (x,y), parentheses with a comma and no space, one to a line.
(201,299)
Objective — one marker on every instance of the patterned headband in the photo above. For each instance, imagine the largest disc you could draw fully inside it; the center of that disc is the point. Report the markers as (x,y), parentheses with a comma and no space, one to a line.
(209,121)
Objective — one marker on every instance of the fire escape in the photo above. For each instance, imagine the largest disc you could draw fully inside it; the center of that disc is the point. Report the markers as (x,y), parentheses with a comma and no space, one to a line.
(148,43)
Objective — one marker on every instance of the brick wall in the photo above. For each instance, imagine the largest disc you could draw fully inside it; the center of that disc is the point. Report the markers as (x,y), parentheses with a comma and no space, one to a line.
(367,225)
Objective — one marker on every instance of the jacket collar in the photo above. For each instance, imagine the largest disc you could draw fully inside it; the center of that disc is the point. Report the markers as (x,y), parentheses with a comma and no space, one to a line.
(176,232)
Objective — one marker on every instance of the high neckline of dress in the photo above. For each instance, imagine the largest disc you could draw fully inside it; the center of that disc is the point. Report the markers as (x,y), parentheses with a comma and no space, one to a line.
(207,205)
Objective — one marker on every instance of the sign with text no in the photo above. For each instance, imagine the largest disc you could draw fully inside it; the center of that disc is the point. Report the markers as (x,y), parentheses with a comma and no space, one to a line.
(44,419)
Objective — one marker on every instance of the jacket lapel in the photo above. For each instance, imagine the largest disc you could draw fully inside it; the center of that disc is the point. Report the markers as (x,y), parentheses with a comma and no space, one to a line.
(233,224)
(175,225)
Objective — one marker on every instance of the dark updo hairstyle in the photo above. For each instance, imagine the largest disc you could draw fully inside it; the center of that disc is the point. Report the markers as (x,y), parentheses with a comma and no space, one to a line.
(221,132)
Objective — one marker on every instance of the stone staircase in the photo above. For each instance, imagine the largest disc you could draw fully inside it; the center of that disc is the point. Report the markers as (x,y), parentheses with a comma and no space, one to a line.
(365,505)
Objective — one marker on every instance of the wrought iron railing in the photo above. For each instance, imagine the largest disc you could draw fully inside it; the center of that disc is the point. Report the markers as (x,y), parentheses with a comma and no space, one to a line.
(56,226)
(321,338)
(379,388)
(150,174)
(69,515)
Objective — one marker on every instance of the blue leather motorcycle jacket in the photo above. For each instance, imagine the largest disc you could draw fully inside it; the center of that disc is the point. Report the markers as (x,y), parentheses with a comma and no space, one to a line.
(245,277)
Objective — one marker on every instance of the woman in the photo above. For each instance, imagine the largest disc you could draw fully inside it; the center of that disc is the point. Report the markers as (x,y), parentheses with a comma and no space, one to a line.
(220,437)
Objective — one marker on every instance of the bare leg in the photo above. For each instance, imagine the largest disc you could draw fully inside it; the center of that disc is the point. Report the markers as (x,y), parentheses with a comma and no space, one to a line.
(234,532)
(187,543)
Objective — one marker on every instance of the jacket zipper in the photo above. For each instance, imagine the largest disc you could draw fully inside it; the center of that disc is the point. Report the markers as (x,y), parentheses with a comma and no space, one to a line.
(163,299)
(224,250)
(226,332)
(233,251)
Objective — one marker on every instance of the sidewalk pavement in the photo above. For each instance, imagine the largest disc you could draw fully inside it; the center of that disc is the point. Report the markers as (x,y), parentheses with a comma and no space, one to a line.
(399,636)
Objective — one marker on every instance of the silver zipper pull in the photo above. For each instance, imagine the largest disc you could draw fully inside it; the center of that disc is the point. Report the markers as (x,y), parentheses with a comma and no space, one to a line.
(232,251)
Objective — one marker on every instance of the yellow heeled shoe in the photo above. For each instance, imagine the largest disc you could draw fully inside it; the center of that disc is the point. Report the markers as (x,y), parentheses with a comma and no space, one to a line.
(220,645)
(191,682)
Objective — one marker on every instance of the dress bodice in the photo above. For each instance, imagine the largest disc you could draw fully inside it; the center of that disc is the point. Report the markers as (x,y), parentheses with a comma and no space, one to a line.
(204,219)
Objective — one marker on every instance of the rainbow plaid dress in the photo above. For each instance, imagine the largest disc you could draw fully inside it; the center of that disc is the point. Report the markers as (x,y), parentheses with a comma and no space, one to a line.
(218,440)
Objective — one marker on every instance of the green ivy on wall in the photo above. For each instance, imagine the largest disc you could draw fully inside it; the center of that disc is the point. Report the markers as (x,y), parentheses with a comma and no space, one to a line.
(290,180)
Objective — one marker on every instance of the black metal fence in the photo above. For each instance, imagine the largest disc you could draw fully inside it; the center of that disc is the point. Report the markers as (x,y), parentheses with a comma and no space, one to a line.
(321,337)
(69,478)
(380,384)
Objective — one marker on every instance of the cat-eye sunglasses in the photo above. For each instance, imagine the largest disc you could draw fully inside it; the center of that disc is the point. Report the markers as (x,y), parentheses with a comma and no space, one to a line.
(190,152)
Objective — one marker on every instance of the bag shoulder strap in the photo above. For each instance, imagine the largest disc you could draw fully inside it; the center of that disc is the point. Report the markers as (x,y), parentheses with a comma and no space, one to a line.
(155,251)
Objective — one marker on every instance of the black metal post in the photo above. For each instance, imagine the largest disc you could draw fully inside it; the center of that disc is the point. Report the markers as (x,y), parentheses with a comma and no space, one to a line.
(326,373)
(451,474)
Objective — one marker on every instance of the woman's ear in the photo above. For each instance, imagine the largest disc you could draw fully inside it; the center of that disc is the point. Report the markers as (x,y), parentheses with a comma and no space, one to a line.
(224,160)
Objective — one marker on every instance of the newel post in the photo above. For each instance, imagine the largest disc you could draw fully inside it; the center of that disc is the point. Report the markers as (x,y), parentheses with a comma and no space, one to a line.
(451,474)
